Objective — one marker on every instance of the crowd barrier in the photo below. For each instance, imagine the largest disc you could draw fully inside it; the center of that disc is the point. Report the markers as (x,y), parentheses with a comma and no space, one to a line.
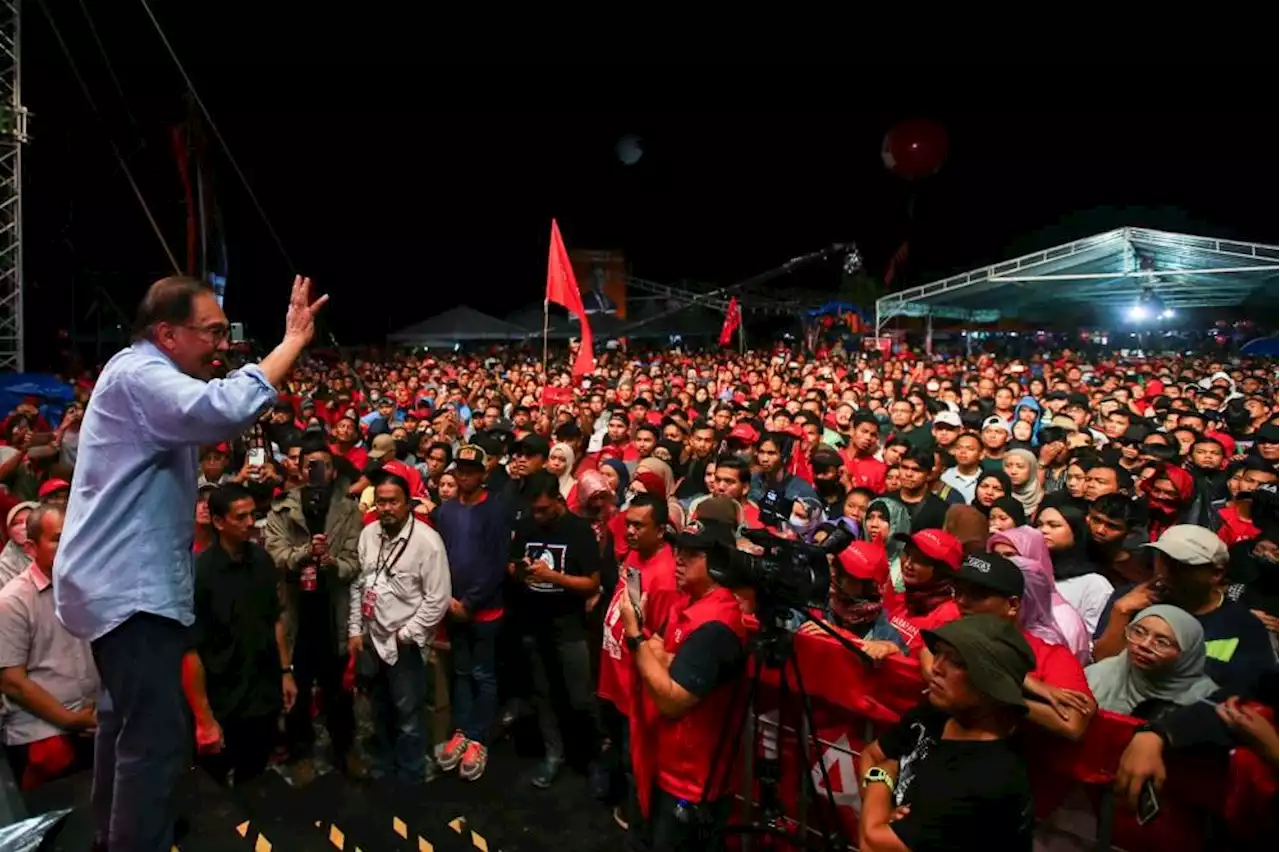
(853,702)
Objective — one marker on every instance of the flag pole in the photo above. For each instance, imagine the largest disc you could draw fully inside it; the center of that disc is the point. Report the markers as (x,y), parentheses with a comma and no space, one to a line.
(546,320)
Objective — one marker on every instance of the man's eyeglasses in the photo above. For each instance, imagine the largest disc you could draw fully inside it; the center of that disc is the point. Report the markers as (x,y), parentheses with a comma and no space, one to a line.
(218,331)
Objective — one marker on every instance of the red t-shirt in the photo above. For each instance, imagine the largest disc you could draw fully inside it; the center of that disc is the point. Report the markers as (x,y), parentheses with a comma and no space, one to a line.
(866,472)
(659,597)
(357,455)
(909,626)
(1057,666)
(1235,528)
(751,516)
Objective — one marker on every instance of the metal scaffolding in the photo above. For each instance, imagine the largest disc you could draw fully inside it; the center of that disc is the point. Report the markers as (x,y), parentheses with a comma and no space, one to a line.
(13,135)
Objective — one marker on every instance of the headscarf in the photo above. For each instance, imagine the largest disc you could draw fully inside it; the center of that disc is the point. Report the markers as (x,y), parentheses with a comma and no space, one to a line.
(1162,514)
(1035,614)
(1074,562)
(1011,507)
(675,512)
(624,477)
(817,517)
(1031,492)
(1004,481)
(1030,545)
(899,522)
(566,479)
(969,526)
(1120,687)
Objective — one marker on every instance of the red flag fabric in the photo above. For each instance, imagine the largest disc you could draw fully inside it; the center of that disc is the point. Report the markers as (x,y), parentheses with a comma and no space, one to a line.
(562,288)
(732,319)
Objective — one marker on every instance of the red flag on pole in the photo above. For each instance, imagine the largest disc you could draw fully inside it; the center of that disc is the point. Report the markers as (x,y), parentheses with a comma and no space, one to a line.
(562,288)
(732,319)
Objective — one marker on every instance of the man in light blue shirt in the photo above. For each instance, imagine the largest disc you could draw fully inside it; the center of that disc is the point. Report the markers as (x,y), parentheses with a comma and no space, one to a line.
(124,577)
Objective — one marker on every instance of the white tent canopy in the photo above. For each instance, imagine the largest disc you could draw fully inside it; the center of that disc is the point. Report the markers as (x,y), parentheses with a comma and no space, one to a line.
(457,325)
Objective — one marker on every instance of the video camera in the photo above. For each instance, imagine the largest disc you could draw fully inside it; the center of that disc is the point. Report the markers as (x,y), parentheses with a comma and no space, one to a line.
(788,574)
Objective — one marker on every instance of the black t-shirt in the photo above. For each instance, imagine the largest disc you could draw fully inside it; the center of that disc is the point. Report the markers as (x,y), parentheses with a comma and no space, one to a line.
(964,794)
(927,514)
(712,655)
(568,546)
(236,609)
(1237,647)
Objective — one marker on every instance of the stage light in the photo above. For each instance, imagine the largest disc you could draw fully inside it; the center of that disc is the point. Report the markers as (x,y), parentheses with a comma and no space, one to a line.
(1138,312)
(1167,313)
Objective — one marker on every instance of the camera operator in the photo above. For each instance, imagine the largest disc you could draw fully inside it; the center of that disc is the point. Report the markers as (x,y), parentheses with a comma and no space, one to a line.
(312,535)
(689,675)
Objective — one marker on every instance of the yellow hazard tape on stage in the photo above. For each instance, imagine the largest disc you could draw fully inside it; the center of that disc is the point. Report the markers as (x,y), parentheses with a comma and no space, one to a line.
(424,846)
(262,844)
(243,829)
(398,826)
(336,837)
(458,824)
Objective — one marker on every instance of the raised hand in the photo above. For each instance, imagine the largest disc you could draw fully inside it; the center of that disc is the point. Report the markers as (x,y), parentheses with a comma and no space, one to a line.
(300,321)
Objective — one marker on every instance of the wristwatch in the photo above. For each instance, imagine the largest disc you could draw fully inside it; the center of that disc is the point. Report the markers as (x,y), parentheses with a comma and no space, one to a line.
(634,642)
(286,670)
(876,775)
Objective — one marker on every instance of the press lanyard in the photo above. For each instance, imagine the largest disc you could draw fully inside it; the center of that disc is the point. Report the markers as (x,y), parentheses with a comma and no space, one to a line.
(388,557)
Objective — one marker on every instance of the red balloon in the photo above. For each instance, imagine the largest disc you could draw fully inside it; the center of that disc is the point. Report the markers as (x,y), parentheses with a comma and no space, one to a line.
(915,148)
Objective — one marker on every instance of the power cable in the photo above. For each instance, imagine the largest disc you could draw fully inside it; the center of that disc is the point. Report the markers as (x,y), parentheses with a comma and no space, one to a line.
(111,71)
(115,149)
(217,134)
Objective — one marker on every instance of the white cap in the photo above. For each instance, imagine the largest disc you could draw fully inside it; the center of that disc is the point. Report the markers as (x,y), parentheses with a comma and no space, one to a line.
(1192,544)
(995,421)
(947,418)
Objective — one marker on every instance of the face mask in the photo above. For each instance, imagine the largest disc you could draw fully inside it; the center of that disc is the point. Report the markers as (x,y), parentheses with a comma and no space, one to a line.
(798,523)
(403,449)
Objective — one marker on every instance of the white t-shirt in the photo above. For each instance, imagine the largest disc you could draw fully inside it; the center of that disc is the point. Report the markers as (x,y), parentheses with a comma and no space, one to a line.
(1089,594)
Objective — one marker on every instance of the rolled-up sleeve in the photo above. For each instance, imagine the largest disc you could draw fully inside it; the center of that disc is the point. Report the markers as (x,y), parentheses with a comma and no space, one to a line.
(176,410)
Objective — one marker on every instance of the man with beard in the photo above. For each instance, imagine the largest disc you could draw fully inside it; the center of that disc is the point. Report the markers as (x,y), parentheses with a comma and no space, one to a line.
(396,603)
(311,535)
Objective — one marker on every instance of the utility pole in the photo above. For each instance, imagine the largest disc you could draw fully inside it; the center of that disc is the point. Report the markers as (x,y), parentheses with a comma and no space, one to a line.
(13,135)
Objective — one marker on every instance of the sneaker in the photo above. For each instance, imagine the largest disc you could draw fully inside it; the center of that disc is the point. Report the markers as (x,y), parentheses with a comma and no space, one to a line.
(546,773)
(620,819)
(451,755)
(474,760)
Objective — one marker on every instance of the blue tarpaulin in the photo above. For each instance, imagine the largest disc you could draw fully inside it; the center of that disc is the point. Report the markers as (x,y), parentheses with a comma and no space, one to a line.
(834,308)
(53,394)
(1262,346)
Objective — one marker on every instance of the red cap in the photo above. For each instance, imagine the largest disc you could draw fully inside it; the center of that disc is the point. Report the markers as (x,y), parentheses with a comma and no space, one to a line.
(864,560)
(1228,444)
(53,485)
(745,432)
(938,545)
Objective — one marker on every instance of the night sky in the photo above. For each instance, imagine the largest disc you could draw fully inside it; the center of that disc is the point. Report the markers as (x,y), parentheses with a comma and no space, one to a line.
(403,192)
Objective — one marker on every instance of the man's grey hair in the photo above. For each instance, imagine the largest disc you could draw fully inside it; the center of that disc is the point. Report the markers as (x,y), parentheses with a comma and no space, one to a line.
(35,521)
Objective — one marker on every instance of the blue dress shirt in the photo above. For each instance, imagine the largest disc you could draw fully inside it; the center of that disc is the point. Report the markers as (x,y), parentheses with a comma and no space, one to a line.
(126,540)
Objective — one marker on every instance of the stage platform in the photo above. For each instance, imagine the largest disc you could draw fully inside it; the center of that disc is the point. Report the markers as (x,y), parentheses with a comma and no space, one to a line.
(501,812)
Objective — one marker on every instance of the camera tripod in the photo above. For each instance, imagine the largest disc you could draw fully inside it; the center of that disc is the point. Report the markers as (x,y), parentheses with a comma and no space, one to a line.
(773,649)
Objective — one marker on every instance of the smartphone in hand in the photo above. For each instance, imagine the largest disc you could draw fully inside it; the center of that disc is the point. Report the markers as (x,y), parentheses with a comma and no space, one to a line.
(1148,804)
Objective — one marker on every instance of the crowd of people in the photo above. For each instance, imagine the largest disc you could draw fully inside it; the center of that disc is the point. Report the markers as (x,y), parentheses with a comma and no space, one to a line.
(1047,536)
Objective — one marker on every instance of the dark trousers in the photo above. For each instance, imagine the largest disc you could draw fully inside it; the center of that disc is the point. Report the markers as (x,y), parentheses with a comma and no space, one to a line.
(617,784)
(143,733)
(247,747)
(560,667)
(398,697)
(317,663)
(474,648)
(676,827)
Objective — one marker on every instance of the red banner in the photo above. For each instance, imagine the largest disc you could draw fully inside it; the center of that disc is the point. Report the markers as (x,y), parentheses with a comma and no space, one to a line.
(853,703)
(556,396)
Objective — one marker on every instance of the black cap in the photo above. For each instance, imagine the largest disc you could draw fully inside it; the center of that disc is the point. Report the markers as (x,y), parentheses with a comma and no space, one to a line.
(995,654)
(489,442)
(705,534)
(1057,394)
(532,445)
(386,400)
(992,571)
(1268,433)
(470,454)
